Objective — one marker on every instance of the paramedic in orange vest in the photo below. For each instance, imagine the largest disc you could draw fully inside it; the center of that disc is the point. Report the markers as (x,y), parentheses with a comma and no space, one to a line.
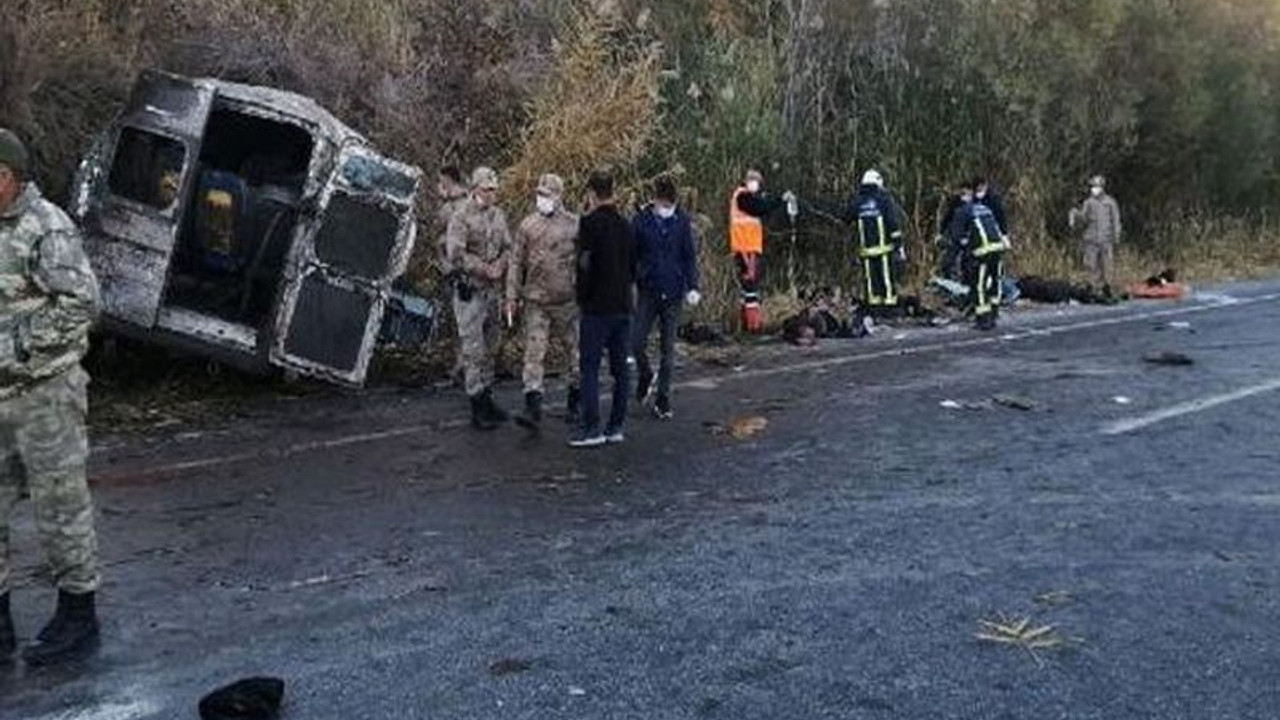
(748,208)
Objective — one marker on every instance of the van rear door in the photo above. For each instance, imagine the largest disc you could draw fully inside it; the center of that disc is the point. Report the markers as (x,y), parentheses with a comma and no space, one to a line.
(343,266)
(141,191)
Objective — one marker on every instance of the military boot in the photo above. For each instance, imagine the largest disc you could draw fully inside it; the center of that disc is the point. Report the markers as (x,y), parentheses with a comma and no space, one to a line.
(8,641)
(531,418)
(573,406)
(480,419)
(492,411)
(71,633)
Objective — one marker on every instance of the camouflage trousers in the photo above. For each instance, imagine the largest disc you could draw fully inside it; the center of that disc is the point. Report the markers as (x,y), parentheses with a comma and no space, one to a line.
(542,324)
(45,450)
(479,337)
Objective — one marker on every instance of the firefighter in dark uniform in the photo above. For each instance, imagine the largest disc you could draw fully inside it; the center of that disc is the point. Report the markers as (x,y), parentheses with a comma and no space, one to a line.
(976,229)
(880,250)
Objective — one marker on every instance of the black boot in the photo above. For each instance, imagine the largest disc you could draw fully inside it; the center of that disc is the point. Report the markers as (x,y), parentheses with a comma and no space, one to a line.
(8,641)
(495,414)
(531,418)
(72,632)
(480,419)
(573,406)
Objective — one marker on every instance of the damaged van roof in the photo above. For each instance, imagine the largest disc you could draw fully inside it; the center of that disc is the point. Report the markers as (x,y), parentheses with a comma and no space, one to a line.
(284,102)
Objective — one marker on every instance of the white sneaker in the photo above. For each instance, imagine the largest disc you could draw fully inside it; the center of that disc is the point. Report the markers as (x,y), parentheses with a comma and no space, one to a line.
(587,441)
(616,438)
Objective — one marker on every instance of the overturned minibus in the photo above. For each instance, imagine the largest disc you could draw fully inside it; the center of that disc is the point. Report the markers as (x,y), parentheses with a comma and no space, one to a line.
(246,224)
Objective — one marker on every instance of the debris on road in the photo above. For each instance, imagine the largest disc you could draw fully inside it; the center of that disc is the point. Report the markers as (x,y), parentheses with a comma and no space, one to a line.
(1023,634)
(1122,400)
(1170,359)
(255,698)
(509,666)
(1055,598)
(1016,402)
(964,405)
(741,428)
(575,691)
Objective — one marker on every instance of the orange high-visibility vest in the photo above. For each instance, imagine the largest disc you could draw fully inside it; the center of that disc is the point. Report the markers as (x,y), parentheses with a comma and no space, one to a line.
(746,233)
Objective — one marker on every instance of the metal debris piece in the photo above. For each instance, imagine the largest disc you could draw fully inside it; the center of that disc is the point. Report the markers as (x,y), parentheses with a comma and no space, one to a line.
(1169,359)
(1016,402)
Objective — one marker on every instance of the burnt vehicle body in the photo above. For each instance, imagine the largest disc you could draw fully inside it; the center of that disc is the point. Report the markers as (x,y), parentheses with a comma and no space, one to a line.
(246,224)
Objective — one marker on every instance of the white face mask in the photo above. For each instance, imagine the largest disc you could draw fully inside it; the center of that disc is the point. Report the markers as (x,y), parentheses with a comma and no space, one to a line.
(666,212)
(546,205)
(980,194)
(753,186)
(1097,191)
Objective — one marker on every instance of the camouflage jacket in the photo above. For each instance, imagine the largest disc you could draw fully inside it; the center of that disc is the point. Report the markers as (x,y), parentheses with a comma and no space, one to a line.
(478,244)
(48,293)
(448,208)
(542,262)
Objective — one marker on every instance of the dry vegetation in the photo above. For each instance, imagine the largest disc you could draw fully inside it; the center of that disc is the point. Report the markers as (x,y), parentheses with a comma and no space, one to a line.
(1179,104)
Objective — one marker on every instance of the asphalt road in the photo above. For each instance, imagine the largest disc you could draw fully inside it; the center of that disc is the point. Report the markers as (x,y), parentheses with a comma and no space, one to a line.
(389,563)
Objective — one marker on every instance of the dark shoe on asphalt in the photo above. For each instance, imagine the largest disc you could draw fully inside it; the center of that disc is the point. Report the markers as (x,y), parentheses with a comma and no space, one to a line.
(662,408)
(615,437)
(531,418)
(8,640)
(495,414)
(986,323)
(583,440)
(70,635)
(573,406)
(480,419)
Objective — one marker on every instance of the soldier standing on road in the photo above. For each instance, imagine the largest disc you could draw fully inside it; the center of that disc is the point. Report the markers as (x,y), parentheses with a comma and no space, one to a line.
(540,284)
(479,244)
(452,193)
(48,300)
(1100,218)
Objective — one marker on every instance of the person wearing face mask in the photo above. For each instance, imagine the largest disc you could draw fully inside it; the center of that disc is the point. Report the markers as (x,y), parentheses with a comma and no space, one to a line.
(985,194)
(479,244)
(540,287)
(667,278)
(1099,217)
(748,208)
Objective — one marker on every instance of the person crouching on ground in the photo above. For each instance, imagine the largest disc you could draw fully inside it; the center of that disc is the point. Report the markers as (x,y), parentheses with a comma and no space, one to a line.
(540,286)
(606,263)
(667,269)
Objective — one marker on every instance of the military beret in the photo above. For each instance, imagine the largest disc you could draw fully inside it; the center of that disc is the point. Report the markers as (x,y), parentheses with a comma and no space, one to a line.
(13,154)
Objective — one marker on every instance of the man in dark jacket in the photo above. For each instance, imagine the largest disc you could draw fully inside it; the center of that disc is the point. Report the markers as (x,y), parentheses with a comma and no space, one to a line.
(976,230)
(984,194)
(605,286)
(667,260)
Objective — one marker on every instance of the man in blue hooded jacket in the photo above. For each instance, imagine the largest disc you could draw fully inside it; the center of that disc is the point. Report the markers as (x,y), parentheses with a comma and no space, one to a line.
(667,272)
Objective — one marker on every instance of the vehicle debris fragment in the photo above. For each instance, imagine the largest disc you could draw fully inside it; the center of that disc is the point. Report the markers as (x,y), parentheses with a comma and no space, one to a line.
(1171,359)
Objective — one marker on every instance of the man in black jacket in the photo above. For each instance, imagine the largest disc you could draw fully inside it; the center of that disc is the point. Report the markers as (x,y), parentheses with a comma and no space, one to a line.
(606,257)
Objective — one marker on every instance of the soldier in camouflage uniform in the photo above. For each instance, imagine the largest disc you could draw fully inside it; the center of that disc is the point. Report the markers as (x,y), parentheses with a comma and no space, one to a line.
(479,244)
(540,284)
(452,192)
(48,300)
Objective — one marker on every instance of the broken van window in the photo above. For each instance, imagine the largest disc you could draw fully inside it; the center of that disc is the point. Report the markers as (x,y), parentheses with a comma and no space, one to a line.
(147,169)
(367,175)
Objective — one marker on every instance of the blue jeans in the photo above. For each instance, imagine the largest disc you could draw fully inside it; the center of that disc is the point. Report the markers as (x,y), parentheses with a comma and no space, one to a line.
(667,314)
(598,334)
